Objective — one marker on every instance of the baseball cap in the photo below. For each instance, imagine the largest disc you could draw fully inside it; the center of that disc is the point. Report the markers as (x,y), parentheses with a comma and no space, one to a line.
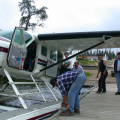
(52,81)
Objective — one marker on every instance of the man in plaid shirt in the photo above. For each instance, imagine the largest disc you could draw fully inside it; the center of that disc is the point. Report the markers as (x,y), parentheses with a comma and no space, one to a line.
(70,83)
(65,81)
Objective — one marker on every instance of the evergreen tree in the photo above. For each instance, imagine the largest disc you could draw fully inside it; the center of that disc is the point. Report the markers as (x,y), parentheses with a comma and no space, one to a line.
(109,55)
(28,11)
(97,52)
(90,53)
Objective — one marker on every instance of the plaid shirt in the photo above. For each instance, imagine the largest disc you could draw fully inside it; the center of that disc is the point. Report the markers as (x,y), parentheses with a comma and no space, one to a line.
(65,81)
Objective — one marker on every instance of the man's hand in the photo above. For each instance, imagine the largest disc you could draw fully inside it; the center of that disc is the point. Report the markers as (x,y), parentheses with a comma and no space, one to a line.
(33,61)
(104,73)
(62,104)
(97,76)
(65,101)
(98,72)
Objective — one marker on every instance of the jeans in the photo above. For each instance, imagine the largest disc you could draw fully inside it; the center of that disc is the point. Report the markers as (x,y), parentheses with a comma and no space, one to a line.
(31,64)
(118,81)
(73,94)
(102,82)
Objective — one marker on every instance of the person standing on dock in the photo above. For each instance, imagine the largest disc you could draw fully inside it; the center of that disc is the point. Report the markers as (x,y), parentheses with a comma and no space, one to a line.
(117,72)
(77,67)
(70,83)
(103,69)
(67,66)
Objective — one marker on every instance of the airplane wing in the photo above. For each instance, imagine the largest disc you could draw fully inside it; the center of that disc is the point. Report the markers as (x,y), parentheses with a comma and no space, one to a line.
(80,40)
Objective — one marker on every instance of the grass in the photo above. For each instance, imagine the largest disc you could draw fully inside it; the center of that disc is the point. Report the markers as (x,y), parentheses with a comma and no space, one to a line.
(87,62)
(88,74)
(2,79)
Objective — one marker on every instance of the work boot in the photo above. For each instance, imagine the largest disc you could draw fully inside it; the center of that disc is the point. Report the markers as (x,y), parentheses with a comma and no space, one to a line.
(67,113)
(65,110)
(117,93)
(103,91)
(98,92)
(76,111)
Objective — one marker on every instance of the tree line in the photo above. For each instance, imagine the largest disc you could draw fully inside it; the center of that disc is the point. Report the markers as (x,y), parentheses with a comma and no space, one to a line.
(109,54)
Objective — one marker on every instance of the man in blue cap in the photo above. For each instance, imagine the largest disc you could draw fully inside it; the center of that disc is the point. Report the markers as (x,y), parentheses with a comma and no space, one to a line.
(70,83)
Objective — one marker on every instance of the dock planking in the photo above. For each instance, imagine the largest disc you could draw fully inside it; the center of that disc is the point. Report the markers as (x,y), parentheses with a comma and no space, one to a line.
(103,106)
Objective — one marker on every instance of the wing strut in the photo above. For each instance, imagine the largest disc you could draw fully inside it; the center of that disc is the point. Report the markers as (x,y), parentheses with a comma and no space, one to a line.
(74,55)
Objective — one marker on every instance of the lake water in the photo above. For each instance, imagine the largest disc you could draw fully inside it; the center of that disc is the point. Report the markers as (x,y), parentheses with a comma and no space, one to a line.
(14,102)
(1,111)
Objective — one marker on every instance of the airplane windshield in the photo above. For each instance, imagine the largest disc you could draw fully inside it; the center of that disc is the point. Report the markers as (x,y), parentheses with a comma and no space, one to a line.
(9,34)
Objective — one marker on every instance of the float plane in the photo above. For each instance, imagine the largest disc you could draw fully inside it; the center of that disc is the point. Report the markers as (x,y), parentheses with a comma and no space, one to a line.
(47,50)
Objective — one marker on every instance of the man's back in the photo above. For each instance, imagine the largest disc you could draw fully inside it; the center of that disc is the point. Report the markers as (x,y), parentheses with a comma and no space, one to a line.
(65,80)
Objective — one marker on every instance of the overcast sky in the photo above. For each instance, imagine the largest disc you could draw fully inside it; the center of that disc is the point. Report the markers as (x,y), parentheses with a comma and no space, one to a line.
(67,15)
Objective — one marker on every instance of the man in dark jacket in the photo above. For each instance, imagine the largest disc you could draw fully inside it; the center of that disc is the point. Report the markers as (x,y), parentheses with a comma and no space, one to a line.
(103,69)
(117,71)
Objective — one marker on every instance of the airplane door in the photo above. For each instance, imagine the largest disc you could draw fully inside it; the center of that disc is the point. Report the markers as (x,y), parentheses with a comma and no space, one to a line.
(17,50)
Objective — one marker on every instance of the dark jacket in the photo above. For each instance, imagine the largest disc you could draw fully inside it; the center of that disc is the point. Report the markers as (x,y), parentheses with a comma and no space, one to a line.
(115,65)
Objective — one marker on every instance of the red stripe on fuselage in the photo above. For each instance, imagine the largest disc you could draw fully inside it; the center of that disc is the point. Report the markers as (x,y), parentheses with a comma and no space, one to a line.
(40,60)
(43,115)
(2,49)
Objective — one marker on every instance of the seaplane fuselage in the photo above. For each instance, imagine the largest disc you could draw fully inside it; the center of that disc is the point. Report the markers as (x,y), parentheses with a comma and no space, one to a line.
(21,49)
(16,56)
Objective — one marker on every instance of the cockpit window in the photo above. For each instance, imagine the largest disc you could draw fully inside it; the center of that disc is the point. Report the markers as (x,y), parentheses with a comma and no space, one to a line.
(9,34)
(44,51)
(53,55)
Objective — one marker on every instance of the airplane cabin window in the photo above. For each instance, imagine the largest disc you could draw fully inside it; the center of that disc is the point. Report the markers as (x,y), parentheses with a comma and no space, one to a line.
(44,51)
(8,35)
(53,55)
(18,38)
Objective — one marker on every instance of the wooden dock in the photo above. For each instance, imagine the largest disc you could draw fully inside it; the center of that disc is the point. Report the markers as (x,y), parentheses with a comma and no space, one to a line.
(103,106)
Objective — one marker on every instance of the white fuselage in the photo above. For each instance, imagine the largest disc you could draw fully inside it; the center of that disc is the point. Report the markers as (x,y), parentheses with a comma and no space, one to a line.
(19,55)
(4,46)
(40,60)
